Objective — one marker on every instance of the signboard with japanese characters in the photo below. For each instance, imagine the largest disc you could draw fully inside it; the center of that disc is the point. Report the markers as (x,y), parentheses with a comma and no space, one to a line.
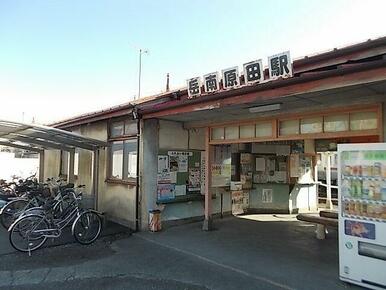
(211,82)
(279,66)
(253,71)
(230,77)
(194,87)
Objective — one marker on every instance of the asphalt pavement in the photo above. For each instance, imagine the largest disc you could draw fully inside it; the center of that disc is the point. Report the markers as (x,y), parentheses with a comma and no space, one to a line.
(276,253)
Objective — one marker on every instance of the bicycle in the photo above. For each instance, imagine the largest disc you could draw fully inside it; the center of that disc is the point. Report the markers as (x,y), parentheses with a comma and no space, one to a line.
(29,232)
(34,197)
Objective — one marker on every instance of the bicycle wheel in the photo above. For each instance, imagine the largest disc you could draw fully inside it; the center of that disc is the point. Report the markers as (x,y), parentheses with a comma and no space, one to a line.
(27,234)
(87,227)
(12,211)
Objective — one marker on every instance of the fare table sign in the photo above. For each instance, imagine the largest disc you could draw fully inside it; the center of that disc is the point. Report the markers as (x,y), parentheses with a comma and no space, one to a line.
(279,66)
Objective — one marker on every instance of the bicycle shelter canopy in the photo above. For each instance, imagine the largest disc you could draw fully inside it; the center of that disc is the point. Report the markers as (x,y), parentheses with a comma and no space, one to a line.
(38,138)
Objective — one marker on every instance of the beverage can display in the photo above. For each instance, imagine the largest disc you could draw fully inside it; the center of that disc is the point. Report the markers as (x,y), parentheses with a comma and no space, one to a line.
(364,209)
(377,169)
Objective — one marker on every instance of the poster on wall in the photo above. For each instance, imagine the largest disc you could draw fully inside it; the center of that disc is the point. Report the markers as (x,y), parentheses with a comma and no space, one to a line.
(237,202)
(180,190)
(163,177)
(267,195)
(163,163)
(182,164)
(294,165)
(194,179)
(203,171)
(165,192)
(173,163)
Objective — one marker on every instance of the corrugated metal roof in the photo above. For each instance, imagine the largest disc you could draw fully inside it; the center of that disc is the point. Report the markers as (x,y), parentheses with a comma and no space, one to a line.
(37,138)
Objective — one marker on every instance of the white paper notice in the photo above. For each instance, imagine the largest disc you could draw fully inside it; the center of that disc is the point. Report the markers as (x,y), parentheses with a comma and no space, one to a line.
(183,164)
(260,164)
(163,163)
(267,195)
(173,177)
(180,190)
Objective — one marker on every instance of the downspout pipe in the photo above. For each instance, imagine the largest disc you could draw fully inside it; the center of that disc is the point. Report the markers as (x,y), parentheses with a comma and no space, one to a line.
(138,171)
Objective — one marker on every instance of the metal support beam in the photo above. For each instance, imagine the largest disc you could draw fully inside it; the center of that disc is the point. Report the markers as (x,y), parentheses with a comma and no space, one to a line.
(208,222)
(41,166)
(10,144)
(45,144)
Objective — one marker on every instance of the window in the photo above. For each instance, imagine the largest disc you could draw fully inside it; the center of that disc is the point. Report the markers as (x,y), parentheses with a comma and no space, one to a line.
(218,133)
(123,150)
(247,131)
(311,125)
(290,127)
(232,132)
(336,123)
(363,121)
(264,130)
(65,162)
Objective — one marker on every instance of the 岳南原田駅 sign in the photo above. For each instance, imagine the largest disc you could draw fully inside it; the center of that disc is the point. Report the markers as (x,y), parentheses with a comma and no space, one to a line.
(279,65)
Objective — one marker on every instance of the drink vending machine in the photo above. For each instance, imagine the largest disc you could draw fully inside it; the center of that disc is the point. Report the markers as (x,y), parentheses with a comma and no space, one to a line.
(362,214)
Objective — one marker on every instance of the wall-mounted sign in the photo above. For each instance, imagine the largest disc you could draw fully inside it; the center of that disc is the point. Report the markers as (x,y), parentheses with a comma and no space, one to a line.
(253,71)
(194,87)
(230,77)
(279,65)
(211,82)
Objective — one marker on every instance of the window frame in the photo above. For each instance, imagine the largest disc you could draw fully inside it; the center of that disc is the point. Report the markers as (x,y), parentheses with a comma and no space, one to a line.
(121,138)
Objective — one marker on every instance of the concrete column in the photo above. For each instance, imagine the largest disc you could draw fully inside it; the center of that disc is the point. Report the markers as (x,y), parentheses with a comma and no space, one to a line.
(208,222)
(70,176)
(41,166)
(148,169)
(95,177)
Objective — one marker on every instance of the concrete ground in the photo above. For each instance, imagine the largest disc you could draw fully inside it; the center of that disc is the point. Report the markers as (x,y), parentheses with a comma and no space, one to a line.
(256,252)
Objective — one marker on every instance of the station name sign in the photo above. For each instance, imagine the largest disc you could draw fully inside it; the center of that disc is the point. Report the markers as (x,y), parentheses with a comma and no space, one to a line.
(279,65)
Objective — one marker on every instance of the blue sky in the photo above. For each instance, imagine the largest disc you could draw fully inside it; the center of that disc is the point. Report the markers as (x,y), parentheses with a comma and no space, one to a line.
(62,58)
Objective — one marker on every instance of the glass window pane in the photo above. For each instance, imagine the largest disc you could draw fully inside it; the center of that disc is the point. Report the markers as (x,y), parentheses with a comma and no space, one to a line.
(232,132)
(117,129)
(131,152)
(336,123)
(247,131)
(363,121)
(289,127)
(311,125)
(217,133)
(117,159)
(264,130)
(130,127)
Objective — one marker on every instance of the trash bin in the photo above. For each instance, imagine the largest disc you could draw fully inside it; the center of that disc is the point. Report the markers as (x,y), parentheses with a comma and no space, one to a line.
(154,220)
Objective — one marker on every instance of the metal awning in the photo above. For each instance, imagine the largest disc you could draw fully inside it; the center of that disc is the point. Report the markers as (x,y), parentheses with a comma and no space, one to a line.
(38,138)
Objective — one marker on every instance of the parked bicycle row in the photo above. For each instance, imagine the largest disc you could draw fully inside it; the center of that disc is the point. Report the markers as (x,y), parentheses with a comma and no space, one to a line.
(37,211)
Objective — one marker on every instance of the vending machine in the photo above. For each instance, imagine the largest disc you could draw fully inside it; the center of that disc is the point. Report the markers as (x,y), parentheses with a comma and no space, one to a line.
(362,214)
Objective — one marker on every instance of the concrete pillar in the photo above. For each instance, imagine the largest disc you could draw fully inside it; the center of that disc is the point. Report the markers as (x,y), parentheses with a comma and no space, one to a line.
(41,166)
(71,162)
(148,169)
(95,177)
